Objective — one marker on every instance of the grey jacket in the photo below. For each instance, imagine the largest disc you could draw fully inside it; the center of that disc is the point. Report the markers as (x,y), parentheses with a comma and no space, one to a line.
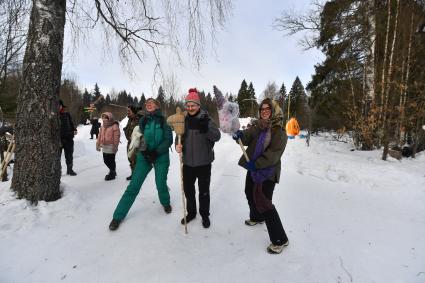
(197,146)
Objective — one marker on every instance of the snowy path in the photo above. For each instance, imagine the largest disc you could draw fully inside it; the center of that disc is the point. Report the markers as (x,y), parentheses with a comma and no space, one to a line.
(350,217)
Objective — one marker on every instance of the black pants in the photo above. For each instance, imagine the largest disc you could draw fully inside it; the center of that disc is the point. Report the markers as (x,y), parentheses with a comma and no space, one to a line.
(68,148)
(274,225)
(93,134)
(203,174)
(109,160)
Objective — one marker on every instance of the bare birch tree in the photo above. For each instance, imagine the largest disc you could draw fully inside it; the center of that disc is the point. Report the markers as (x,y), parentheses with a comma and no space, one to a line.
(140,27)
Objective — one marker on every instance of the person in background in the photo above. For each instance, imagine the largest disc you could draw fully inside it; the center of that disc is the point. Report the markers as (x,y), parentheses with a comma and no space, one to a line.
(133,121)
(95,125)
(200,134)
(108,140)
(153,153)
(266,141)
(67,133)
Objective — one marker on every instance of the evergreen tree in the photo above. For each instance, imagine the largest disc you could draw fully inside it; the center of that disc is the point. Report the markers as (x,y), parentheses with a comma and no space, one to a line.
(243,99)
(142,101)
(282,96)
(298,104)
(253,102)
(96,92)
(108,99)
(161,96)
(87,98)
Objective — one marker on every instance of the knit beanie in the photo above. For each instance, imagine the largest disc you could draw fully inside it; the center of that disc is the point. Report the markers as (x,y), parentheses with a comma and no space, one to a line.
(193,96)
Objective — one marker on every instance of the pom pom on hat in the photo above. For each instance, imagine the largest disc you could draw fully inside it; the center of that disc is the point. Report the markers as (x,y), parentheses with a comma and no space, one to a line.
(193,96)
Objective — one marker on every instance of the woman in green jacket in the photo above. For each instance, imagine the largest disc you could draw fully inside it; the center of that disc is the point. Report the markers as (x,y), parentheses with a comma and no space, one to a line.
(153,153)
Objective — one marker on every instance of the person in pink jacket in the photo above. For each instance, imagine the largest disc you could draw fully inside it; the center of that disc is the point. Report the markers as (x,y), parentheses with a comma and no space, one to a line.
(108,140)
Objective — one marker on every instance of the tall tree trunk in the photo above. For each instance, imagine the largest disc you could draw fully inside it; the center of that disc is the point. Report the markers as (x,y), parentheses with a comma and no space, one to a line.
(386,114)
(405,83)
(37,170)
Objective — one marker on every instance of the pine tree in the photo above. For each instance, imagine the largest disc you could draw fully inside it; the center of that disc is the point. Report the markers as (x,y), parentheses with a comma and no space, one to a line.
(87,98)
(253,101)
(142,101)
(282,96)
(161,96)
(298,104)
(243,99)
(108,99)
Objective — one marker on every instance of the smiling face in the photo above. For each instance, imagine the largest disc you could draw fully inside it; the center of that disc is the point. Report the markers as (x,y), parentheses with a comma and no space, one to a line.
(151,106)
(265,111)
(192,108)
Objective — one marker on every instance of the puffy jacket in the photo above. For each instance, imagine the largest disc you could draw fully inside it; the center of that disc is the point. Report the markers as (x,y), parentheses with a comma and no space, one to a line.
(109,133)
(157,134)
(197,146)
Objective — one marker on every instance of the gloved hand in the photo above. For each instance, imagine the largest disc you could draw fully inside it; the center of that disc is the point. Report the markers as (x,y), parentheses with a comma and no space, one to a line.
(98,147)
(203,125)
(237,135)
(251,165)
(150,155)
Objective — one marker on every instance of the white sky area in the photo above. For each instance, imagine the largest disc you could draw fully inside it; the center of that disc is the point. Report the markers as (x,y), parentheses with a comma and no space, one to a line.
(249,48)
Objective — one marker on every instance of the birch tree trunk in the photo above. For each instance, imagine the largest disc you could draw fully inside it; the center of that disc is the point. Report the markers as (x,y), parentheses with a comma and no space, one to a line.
(385,123)
(37,169)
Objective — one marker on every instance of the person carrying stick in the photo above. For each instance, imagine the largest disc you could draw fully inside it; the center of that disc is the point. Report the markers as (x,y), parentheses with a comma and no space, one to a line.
(198,140)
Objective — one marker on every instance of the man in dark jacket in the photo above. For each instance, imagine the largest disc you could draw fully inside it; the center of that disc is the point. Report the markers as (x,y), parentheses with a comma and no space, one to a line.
(197,146)
(68,131)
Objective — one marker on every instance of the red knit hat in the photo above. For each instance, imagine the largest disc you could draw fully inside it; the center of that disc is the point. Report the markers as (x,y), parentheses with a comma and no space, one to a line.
(193,96)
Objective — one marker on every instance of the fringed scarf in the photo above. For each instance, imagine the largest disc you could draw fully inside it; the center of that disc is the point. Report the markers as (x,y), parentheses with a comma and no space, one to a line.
(260,175)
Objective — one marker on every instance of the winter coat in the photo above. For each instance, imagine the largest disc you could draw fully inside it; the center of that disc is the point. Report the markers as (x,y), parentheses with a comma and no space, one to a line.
(67,126)
(109,134)
(157,134)
(95,125)
(131,123)
(197,146)
(271,155)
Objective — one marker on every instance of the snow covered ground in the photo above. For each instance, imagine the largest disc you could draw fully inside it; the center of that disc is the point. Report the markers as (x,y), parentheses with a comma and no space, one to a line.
(350,217)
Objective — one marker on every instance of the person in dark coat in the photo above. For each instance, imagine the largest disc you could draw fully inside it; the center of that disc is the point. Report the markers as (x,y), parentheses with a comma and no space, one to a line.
(197,146)
(133,121)
(266,141)
(95,125)
(67,133)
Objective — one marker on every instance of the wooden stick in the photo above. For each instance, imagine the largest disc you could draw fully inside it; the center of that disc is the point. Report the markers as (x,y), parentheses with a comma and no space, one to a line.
(243,150)
(179,140)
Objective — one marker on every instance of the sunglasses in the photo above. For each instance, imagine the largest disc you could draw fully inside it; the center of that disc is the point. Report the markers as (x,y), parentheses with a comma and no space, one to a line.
(105,117)
(265,109)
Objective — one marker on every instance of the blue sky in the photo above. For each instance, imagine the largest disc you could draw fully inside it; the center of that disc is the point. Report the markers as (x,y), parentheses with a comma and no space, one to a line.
(249,48)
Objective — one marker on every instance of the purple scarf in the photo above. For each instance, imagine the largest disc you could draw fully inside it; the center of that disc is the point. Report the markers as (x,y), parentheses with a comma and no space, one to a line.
(260,175)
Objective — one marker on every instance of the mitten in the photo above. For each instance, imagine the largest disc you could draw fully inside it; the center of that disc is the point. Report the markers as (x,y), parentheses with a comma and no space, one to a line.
(251,165)
(237,135)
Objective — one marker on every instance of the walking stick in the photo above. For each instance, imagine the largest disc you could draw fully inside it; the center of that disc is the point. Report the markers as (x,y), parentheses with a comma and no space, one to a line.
(176,122)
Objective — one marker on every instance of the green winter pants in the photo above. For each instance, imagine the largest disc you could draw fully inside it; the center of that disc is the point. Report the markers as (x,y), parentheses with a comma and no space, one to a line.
(142,169)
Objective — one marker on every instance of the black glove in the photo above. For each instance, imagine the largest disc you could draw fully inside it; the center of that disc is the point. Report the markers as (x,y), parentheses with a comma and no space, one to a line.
(150,155)
(203,125)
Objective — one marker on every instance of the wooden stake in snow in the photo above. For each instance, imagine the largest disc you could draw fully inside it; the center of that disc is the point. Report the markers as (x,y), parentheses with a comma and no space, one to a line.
(176,122)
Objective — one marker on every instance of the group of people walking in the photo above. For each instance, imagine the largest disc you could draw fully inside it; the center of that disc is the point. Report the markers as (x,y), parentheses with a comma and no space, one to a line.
(265,141)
